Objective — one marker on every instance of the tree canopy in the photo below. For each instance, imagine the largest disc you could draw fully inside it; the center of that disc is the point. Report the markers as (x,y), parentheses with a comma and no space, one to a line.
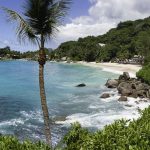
(126,40)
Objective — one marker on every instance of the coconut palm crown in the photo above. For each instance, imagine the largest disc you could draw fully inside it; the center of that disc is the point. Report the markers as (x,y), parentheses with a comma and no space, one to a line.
(38,23)
(40,19)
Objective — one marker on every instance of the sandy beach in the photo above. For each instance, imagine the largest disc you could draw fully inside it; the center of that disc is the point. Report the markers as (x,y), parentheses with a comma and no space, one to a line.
(114,67)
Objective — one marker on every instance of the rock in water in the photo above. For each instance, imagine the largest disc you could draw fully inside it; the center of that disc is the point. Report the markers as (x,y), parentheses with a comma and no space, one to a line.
(60,118)
(111,83)
(105,95)
(81,85)
(142,86)
(125,89)
(141,93)
(125,76)
(128,105)
(123,99)
(130,87)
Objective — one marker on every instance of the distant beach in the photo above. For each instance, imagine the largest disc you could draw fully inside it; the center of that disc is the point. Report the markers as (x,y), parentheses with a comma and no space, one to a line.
(114,67)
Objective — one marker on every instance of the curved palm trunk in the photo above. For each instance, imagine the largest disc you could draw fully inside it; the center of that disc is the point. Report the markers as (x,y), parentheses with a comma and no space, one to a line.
(42,60)
(44,105)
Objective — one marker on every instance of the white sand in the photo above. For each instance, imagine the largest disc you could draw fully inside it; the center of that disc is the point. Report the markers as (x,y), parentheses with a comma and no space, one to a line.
(114,67)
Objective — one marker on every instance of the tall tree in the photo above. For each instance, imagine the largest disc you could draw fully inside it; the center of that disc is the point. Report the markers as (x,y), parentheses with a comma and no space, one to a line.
(38,24)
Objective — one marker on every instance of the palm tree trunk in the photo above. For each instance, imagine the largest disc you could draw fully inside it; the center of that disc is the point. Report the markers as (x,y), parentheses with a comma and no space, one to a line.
(44,105)
(42,61)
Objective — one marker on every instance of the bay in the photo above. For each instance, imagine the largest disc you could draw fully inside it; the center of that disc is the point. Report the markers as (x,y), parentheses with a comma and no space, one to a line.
(20,109)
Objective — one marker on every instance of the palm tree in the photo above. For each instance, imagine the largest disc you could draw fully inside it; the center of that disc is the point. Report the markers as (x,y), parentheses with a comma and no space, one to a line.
(38,25)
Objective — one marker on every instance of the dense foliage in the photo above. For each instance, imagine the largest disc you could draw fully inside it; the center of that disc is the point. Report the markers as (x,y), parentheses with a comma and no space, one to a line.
(7,53)
(33,55)
(126,40)
(144,74)
(121,135)
(11,143)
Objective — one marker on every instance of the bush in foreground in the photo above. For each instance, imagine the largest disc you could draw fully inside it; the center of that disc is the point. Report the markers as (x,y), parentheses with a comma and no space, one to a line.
(11,143)
(121,135)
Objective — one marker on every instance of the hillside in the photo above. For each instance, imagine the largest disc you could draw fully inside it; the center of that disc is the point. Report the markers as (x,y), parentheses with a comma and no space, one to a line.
(123,42)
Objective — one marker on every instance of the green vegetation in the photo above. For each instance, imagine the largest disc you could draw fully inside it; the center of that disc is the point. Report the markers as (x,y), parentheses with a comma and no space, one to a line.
(33,55)
(7,53)
(144,74)
(11,143)
(123,42)
(121,135)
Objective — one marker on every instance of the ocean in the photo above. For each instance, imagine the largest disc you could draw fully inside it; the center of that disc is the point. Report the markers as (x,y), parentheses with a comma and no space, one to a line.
(20,109)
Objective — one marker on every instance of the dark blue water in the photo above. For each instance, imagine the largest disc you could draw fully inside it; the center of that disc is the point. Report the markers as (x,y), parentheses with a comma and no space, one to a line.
(20,110)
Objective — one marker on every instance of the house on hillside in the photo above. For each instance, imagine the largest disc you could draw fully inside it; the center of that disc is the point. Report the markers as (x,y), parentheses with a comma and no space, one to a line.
(137,59)
(101,44)
(64,59)
(15,57)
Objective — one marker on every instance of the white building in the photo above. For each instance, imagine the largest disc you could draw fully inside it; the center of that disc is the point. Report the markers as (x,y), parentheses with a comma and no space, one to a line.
(101,44)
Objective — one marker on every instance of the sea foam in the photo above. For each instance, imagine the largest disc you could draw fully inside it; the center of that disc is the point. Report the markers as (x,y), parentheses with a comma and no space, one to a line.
(98,118)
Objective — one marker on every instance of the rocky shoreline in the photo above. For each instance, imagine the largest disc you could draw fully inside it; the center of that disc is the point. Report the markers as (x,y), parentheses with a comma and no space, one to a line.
(128,87)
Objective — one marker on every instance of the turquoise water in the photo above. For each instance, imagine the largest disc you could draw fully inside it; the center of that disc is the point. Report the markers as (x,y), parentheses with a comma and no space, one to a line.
(20,110)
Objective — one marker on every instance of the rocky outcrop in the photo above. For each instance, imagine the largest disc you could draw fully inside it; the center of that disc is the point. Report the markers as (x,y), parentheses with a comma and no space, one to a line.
(81,85)
(130,87)
(127,105)
(124,88)
(125,76)
(59,118)
(123,99)
(112,83)
(105,95)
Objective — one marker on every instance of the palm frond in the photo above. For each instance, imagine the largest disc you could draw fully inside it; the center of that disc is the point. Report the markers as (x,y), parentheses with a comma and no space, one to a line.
(41,17)
(56,14)
(23,29)
(60,8)
(36,12)
(46,15)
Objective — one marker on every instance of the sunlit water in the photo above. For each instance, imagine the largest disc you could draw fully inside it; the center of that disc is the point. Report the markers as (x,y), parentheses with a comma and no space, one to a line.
(20,110)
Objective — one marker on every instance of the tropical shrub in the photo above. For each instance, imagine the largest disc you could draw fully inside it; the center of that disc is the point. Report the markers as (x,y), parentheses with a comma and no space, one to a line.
(144,74)
(12,143)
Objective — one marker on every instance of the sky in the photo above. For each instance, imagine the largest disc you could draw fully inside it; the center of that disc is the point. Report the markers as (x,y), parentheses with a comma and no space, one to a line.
(85,18)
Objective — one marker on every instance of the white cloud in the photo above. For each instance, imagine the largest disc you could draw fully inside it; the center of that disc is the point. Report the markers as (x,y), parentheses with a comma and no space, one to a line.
(143,6)
(73,31)
(119,10)
(103,15)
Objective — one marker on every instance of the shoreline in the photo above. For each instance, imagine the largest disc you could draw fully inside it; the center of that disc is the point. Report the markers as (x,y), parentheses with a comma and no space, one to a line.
(114,67)
(131,105)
